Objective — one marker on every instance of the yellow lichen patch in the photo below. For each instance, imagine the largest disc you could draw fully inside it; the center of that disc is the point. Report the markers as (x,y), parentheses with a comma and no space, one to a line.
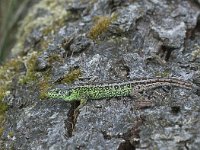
(13,64)
(71,76)
(101,25)
(9,69)
(54,17)
(196,52)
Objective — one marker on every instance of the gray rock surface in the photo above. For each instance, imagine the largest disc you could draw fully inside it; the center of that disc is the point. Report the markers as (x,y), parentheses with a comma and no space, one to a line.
(146,39)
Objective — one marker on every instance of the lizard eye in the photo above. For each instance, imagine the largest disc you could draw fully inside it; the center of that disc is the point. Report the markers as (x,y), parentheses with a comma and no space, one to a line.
(62,92)
(67,93)
(59,92)
(56,91)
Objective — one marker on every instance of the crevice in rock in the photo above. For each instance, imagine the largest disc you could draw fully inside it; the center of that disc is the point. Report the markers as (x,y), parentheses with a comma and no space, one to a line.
(191,33)
(195,3)
(121,69)
(77,11)
(197,27)
(175,109)
(132,136)
(165,52)
(186,147)
(113,4)
(106,136)
(126,146)
(162,55)
(65,44)
(71,119)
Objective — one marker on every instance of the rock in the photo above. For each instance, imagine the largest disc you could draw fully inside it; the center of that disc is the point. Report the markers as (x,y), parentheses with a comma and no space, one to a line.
(80,44)
(141,31)
(41,64)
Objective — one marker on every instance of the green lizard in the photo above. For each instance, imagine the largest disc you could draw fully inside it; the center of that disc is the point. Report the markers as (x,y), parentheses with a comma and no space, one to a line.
(86,92)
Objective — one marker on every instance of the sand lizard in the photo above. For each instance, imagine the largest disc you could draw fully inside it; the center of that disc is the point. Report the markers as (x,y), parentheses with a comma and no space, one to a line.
(94,91)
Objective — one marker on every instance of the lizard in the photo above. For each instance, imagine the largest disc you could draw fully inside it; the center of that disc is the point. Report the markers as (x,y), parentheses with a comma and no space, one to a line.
(97,91)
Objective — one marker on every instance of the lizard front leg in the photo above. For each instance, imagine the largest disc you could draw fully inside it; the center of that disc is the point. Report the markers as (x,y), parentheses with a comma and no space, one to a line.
(83,101)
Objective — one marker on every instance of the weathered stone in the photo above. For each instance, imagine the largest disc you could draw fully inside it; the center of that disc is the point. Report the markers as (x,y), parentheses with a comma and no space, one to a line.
(142,35)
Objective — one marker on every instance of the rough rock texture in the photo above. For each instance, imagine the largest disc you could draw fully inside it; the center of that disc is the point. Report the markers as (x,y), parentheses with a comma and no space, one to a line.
(143,39)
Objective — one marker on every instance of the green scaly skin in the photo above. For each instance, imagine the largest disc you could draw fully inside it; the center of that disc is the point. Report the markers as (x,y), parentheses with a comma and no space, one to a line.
(100,91)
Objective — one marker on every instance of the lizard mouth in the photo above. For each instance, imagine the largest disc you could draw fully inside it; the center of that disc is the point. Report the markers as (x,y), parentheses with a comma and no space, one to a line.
(54,93)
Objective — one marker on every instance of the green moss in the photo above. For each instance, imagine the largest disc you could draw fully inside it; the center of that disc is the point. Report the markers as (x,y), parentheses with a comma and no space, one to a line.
(101,25)
(2,92)
(2,119)
(163,74)
(1,131)
(3,107)
(7,71)
(71,76)
(13,147)
(11,134)
(44,85)
(30,66)
(55,57)
(44,82)
(41,80)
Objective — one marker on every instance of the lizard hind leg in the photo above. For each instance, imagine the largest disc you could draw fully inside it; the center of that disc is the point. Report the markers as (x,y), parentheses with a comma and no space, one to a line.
(159,98)
(141,101)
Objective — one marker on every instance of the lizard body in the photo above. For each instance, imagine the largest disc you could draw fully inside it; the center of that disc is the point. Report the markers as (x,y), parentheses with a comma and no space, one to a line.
(109,90)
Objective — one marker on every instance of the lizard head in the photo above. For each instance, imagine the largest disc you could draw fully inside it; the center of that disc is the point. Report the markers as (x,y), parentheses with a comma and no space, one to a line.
(58,93)
(66,94)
